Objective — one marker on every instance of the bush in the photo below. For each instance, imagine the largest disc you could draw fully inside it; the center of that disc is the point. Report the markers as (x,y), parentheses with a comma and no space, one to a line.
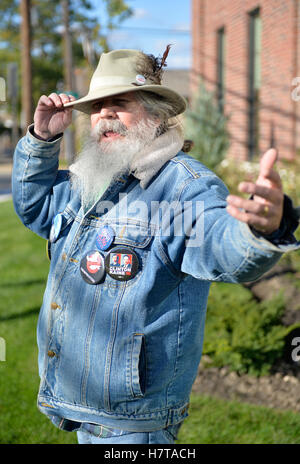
(241,333)
(232,173)
(206,126)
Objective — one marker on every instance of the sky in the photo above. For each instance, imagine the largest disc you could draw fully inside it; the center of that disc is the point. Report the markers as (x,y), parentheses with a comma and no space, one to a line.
(153,25)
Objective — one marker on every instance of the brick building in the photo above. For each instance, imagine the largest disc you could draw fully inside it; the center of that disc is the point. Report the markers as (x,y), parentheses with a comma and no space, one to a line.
(247,51)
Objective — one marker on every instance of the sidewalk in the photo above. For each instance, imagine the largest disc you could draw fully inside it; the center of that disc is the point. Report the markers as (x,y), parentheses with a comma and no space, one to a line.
(5,168)
(5,171)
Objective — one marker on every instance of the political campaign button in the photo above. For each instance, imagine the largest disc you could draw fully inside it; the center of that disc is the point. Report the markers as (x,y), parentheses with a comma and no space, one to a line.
(122,263)
(105,237)
(140,80)
(92,267)
(55,228)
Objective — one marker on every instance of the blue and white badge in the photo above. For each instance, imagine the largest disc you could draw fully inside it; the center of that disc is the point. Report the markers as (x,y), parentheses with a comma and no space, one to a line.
(105,237)
(55,228)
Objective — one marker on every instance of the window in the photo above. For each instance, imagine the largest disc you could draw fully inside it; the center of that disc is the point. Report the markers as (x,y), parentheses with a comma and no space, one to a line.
(254,82)
(221,68)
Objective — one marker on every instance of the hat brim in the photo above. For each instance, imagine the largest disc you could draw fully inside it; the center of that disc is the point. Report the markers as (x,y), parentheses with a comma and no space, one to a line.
(84,104)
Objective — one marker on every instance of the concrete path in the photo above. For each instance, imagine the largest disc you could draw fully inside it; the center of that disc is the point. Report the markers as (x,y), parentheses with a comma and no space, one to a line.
(5,182)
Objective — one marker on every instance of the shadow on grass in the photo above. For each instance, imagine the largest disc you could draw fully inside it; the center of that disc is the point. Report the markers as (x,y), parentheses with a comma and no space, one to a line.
(23,283)
(27,313)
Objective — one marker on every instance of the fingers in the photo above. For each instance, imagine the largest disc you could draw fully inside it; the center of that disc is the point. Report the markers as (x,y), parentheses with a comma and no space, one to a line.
(260,223)
(272,178)
(66,99)
(262,209)
(50,117)
(264,216)
(55,100)
(266,193)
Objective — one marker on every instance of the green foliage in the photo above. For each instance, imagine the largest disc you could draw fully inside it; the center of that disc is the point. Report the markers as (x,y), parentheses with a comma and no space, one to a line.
(47,40)
(206,126)
(23,274)
(241,333)
(232,173)
(117,11)
(215,421)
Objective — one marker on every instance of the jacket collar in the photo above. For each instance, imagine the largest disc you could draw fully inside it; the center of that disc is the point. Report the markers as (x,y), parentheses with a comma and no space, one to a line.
(148,163)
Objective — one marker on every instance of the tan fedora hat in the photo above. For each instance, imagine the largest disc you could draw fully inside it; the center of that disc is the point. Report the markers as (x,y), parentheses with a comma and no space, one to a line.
(121,71)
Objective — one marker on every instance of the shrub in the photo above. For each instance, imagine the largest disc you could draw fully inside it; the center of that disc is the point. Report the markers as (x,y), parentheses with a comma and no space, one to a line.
(241,333)
(206,126)
(232,173)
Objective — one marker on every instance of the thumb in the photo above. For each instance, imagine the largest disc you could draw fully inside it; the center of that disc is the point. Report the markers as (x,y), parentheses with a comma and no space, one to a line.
(267,162)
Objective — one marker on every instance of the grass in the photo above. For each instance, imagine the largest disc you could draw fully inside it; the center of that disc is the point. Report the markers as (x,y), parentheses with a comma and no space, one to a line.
(215,421)
(23,273)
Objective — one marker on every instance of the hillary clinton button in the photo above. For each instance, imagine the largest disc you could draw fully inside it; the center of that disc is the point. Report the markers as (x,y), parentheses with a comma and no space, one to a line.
(92,267)
(105,237)
(55,228)
(122,263)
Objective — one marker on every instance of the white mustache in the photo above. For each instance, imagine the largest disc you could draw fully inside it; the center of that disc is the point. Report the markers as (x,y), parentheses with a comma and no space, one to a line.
(109,126)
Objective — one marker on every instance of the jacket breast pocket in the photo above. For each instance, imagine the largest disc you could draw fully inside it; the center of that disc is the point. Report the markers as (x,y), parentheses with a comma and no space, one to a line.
(126,259)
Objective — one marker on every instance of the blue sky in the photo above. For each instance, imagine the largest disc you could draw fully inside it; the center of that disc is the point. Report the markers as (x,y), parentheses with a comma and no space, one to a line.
(152,27)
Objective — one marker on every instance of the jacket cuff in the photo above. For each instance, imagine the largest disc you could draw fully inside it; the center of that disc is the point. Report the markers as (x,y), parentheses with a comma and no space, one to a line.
(289,223)
(51,139)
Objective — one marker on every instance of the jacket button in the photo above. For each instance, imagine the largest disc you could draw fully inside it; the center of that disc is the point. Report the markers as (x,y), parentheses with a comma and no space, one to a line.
(54,306)
(51,354)
(64,256)
(185,409)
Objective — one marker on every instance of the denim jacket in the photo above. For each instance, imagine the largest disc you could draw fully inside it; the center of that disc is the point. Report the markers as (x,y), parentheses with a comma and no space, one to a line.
(125,353)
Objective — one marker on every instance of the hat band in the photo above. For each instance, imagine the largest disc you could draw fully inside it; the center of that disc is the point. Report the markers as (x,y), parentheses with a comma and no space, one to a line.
(111,81)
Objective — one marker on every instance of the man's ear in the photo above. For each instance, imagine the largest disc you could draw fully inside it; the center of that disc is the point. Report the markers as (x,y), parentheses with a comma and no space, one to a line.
(161,128)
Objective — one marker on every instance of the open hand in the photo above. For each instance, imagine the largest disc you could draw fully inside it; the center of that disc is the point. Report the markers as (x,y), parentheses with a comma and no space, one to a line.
(264,211)
(50,117)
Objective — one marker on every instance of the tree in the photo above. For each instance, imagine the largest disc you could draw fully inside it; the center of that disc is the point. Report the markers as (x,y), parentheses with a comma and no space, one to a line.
(26,63)
(47,29)
(206,126)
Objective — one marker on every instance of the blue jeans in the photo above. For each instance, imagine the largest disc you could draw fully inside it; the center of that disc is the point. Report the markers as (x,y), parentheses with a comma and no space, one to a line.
(115,436)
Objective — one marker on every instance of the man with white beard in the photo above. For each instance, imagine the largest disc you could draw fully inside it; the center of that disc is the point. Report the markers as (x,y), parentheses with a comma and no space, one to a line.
(119,351)
(100,161)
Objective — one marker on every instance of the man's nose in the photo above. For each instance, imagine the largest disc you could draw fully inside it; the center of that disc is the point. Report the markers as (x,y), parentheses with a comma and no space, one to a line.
(107,112)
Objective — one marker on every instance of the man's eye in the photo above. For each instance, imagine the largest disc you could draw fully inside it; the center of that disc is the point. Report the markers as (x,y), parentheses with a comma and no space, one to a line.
(97,106)
(121,102)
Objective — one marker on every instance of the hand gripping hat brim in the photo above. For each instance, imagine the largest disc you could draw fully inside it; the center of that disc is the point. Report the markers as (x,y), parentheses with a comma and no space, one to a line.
(118,72)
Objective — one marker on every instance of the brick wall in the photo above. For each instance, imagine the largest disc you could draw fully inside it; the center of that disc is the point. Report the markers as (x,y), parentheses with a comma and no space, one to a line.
(279,113)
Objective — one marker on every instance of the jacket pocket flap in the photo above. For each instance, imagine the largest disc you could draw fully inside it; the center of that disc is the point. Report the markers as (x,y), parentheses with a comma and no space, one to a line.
(132,233)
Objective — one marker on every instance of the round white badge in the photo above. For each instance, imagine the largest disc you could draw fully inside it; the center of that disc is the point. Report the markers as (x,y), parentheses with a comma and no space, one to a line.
(140,80)
(55,228)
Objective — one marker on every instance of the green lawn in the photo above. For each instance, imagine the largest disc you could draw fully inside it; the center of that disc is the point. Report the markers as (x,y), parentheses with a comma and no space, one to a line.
(215,421)
(23,271)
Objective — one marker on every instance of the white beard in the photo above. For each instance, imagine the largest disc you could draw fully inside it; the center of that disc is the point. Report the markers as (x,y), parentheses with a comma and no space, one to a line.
(100,162)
